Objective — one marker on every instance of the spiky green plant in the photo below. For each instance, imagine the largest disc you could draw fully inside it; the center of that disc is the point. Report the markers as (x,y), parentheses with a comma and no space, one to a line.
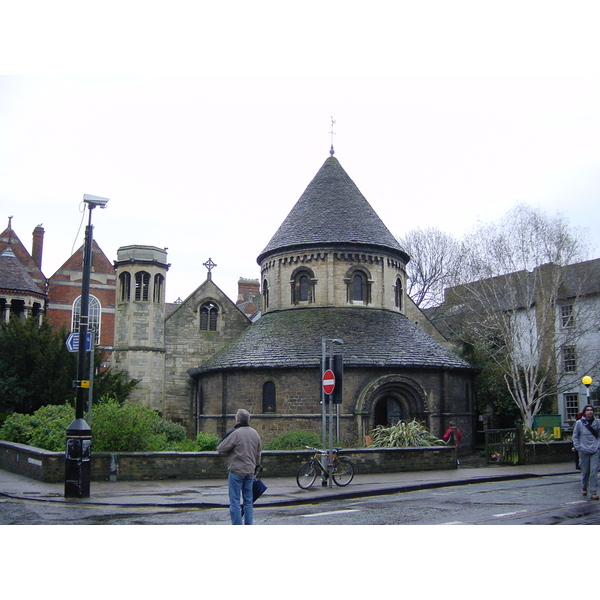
(403,435)
(537,437)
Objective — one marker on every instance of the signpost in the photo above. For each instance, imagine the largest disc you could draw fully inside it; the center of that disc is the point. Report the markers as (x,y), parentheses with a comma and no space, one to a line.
(328,382)
(330,364)
(72,342)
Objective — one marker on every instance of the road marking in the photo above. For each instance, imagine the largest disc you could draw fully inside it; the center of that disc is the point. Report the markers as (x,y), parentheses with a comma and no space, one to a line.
(510,514)
(453,523)
(332,512)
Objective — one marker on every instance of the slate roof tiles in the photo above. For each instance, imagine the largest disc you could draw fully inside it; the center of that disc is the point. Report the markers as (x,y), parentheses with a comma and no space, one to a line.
(372,338)
(332,210)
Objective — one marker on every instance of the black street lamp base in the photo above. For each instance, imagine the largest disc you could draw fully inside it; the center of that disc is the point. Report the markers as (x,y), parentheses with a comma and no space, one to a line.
(78,460)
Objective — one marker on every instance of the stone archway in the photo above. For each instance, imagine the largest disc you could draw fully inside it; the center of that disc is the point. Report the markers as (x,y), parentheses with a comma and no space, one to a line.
(386,400)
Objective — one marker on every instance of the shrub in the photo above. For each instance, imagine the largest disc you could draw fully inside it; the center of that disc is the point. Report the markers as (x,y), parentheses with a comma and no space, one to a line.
(293,440)
(206,442)
(45,428)
(126,428)
(17,428)
(115,428)
(49,424)
(174,432)
(403,435)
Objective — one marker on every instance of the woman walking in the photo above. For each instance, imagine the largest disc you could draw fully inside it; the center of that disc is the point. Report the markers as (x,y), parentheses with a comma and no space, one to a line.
(586,442)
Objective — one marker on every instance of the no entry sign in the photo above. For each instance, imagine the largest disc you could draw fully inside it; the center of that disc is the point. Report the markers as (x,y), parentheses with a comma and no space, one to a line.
(328,382)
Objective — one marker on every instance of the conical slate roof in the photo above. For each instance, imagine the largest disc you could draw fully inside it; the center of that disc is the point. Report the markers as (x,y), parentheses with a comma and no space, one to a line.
(372,338)
(332,210)
(14,277)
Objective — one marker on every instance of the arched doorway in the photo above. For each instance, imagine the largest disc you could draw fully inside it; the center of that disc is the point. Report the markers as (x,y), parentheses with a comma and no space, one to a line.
(389,399)
(388,411)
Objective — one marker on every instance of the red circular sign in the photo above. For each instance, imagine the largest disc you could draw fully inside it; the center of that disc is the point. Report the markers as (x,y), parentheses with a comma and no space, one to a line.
(328,382)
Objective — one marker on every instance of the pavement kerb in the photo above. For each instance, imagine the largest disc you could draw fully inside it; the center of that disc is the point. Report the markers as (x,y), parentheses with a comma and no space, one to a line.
(281,492)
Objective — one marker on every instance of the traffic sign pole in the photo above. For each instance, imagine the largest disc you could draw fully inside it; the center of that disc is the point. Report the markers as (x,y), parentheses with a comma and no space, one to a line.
(328,384)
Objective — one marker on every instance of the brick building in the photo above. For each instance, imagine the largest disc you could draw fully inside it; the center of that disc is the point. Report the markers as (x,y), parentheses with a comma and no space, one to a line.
(59,295)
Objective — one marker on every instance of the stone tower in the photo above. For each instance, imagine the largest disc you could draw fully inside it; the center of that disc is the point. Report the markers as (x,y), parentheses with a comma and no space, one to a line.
(139,346)
(333,250)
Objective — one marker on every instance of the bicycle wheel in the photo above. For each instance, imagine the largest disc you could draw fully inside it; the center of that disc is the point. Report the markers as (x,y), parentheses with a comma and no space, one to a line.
(344,471)
(306,475)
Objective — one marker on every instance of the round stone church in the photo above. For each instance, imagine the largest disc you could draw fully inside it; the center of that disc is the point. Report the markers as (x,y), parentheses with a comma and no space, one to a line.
(333,282)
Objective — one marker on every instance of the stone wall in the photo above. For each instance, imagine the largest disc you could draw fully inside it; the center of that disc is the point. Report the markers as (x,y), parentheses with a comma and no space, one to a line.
(139,466)
(49,467)
(555,452)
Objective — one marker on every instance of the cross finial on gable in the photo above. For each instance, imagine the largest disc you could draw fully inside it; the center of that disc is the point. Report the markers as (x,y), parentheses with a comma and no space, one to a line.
(210,265)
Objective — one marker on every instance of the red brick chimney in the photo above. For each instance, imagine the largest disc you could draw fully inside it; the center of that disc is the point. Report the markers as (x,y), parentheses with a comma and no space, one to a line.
(248,289)
(37,246)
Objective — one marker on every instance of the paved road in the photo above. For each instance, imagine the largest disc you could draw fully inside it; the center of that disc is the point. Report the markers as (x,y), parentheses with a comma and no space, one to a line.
(546,500)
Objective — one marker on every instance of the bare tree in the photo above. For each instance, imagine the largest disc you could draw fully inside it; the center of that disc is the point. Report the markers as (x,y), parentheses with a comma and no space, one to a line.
(527,304)
(434,264)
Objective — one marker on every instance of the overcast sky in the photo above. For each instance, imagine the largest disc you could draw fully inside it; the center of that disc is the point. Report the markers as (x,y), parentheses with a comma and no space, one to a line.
(204,126)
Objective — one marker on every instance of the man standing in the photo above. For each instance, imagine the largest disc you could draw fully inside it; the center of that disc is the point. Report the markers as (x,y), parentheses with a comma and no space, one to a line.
(585,440)
(243,447)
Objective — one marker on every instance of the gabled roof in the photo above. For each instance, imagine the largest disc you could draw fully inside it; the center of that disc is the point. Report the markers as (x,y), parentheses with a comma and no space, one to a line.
(372,338)
(332,211)
(100,263)
(207,289)
(9,239)
(14,277)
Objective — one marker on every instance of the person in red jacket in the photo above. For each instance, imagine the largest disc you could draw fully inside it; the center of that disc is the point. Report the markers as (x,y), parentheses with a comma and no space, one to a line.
(452,437)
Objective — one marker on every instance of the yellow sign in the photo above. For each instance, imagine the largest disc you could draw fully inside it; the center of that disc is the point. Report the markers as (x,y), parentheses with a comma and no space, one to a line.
(85,383)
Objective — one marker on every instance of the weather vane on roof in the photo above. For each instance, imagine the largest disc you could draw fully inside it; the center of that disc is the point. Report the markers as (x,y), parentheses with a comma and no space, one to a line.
(332,152)
(210,265)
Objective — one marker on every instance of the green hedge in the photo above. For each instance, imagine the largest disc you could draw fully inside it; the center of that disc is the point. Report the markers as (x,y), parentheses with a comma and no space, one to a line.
(115,428)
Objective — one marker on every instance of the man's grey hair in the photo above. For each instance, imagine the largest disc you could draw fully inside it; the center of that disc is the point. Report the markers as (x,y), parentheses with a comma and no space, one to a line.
(243,416)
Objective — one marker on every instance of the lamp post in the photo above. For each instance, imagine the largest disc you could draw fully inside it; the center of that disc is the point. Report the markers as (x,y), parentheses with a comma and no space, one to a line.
(79,433)
(587,381)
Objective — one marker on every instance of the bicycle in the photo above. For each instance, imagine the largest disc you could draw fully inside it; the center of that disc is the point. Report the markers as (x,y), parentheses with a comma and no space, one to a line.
(342,469)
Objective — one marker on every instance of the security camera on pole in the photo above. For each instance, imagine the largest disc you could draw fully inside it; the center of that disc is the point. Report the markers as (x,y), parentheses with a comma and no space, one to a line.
(79,433)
